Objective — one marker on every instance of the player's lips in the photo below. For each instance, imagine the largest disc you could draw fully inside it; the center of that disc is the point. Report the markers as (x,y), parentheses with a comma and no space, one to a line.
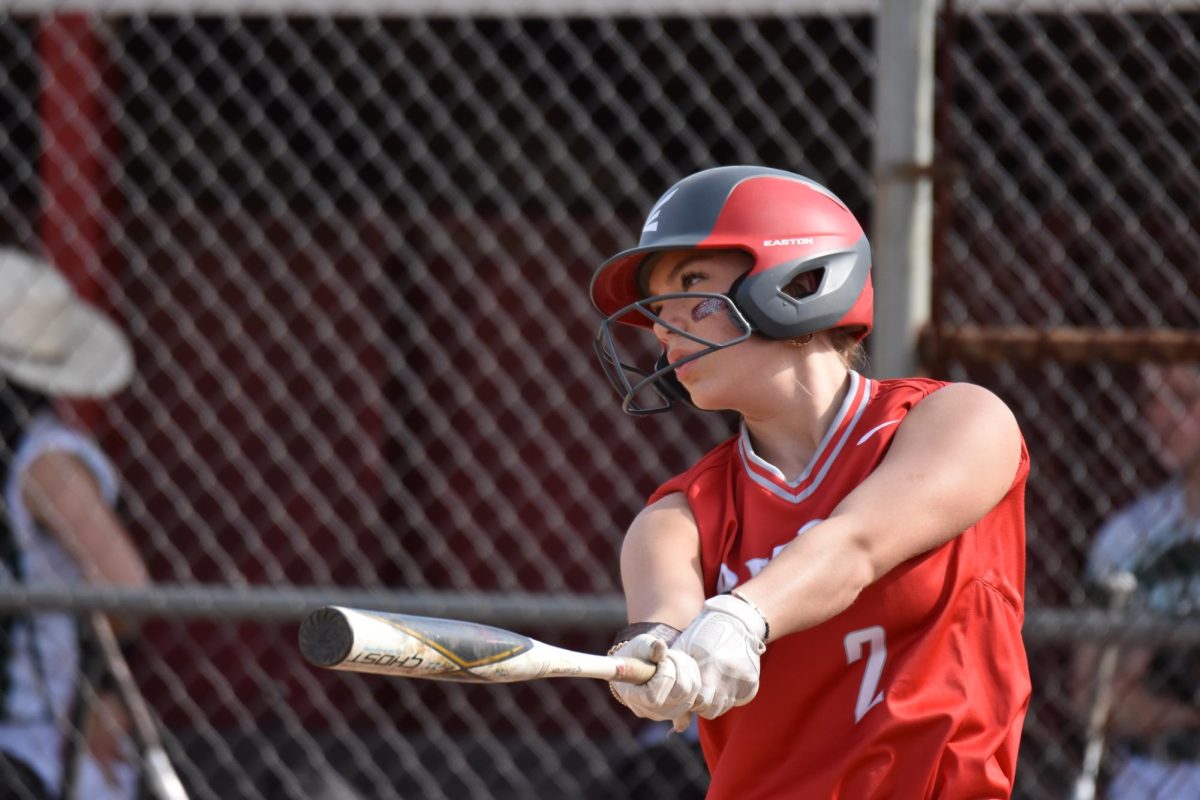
(674,357)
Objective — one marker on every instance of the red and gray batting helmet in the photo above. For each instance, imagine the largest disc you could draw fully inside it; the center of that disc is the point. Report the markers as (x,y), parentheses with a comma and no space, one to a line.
(789,224)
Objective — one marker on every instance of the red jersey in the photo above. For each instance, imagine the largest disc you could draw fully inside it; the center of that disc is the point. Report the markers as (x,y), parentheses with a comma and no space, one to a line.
(918,689)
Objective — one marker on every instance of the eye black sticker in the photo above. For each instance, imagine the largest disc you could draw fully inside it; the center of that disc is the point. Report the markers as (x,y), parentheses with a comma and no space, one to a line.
(707,306)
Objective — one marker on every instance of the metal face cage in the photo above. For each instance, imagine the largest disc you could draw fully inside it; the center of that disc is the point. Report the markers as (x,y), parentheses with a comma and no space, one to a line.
(658,381)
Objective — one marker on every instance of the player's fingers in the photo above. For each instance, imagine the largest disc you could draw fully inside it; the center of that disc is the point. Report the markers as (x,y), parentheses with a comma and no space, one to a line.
(662,683)
(746,692)
(658,651)
(687,675)
(718,693)
(681,724)
(715,707)
(640,646)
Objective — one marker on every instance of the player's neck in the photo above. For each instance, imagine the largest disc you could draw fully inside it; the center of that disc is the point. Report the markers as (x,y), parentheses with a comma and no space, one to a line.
(788,435)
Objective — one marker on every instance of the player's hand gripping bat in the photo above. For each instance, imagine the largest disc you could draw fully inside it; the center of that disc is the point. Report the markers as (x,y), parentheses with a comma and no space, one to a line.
(408,646)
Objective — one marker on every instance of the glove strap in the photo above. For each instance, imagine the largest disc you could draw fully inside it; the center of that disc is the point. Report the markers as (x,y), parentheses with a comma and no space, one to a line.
(757,610)
(659,630)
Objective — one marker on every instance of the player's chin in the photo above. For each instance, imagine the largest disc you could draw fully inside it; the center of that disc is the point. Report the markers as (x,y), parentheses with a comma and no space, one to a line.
(706,398)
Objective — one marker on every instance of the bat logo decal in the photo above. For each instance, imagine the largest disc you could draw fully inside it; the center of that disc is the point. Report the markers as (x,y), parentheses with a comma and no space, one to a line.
(466,645)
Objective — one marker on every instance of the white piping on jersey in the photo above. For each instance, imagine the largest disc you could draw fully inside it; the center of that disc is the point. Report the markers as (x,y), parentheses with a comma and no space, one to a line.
(876,430)
(751,459)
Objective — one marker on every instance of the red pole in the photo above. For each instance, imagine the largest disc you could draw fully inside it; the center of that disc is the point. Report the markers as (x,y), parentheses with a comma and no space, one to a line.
(78,203)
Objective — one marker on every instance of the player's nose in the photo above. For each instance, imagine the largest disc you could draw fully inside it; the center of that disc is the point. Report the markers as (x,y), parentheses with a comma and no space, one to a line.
(671,316)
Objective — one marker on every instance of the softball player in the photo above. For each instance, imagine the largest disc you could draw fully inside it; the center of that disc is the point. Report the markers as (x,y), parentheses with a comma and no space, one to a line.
(838,590)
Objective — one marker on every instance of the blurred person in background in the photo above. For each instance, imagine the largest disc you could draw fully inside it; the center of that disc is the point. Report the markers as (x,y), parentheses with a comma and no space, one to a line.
(838,590)
(1154,724)
(58,527)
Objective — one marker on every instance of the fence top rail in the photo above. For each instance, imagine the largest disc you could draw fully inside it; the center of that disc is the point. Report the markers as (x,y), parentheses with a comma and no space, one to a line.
(576,8)
(578,611)
(1043,626)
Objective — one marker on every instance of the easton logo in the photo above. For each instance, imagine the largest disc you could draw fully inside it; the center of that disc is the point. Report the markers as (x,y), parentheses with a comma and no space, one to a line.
(652,220)
(798,240)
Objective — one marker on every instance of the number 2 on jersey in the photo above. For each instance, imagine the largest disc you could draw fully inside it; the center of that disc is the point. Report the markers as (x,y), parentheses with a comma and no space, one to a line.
(873,637)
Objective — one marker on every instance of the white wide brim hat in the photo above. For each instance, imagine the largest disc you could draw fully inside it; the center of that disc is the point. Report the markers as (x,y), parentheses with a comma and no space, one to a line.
(51,340)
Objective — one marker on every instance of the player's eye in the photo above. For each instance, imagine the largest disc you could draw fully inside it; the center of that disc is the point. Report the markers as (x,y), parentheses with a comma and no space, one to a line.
(689,279)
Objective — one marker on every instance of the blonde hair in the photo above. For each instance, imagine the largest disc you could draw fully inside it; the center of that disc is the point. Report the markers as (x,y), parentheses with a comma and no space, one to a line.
(848,347)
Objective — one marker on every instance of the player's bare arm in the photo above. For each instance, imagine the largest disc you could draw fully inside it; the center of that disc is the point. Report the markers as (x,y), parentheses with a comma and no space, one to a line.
(953,458)
(62,495)
(660,570)
(660,564)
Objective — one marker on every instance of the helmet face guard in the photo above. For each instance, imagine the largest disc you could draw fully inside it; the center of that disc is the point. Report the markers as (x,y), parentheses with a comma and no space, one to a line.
(658,382)
(797,233)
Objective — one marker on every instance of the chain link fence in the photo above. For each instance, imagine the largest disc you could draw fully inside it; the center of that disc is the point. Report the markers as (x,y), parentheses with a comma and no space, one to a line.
(352,252)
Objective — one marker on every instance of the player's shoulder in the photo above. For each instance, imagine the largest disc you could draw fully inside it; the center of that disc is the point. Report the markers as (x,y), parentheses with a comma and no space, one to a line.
(712,466)
(905,388)
(717,457)
(893,397)
(908,392)
(950,413)
(52,449)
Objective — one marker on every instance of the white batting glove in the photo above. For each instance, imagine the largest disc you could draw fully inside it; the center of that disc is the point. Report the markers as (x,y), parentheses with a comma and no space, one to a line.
(670,693)
(726,639)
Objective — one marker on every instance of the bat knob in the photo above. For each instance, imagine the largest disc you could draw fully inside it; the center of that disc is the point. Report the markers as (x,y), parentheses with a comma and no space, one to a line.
(326,637)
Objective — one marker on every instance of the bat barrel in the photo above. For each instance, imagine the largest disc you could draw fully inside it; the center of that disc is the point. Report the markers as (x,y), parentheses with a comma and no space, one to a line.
(326,637)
